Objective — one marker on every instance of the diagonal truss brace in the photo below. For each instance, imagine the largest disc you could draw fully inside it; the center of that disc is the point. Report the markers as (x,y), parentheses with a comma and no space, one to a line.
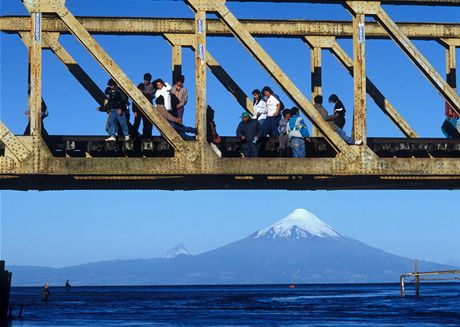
(380,100)
(417,58)
(119,76)
(19,150)
(219,72)
(240,32)
(51,41)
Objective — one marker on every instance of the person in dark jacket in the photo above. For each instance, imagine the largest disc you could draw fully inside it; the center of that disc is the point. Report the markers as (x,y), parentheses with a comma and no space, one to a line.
(211,132)
(337,119)
(44,114)
(45,292)
(138,116)
(116,107)
(249,133)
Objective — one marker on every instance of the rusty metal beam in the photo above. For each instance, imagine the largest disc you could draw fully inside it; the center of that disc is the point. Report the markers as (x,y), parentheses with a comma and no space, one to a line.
(359,130)
(387,2)
(176,62)
(316,80)
(35,75)
(388,168)
(13,144)
(258,28)
(417,58)
(451,66)
(200,73)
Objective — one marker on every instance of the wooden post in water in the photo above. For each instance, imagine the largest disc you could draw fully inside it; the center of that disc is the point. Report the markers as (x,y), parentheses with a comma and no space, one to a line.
(401,286)
(5,284)
(417,278)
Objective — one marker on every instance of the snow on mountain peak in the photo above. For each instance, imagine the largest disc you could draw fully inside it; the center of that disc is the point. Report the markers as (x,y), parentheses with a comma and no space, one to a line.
(179,249)
(299,224)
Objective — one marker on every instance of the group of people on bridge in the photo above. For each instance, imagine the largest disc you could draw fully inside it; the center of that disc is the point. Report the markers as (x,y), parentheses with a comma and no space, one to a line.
(271,119)
(169,102)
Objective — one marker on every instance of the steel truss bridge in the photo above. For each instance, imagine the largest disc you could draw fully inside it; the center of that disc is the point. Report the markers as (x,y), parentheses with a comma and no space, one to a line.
(169,162)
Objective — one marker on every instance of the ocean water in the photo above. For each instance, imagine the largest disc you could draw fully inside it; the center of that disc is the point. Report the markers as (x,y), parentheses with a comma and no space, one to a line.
(242,305)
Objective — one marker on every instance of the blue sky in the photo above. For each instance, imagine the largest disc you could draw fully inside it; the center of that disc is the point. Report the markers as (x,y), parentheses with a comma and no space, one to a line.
(80,226)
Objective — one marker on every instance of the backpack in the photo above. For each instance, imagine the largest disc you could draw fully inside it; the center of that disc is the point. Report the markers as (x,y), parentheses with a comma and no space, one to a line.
(297,128)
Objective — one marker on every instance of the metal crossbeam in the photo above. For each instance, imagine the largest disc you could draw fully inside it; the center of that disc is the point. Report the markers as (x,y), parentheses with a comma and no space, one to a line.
(13,144)
(259,28)
(389,2)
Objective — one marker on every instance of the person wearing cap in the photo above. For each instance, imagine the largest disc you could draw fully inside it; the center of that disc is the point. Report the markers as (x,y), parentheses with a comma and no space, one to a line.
(249,133)
(164,90)
(270,126)
(180,95)
(337,119)
(283,139)
(116,106)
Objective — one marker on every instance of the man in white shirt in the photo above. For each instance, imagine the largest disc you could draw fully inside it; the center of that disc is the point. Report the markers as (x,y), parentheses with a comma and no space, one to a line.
(270,126)
(164,90)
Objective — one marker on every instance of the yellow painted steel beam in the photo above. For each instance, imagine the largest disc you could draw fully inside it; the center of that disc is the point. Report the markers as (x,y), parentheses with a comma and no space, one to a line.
(200,73)
(418,59)
(13,144)
(359,130)
(35,75)
(389,2)
(451,66)
(390,168)
(316,80)
(176,62)
(258,28)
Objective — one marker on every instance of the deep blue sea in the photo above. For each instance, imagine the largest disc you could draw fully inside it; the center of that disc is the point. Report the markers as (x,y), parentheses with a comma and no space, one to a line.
(267,305)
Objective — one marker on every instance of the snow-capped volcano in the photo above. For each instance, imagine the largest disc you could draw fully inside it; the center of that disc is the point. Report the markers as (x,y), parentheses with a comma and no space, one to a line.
(179,249)
(298,249)
(299,224)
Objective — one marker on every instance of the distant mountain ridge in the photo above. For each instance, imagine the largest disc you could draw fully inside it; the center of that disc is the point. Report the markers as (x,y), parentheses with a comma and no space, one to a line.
(299,248)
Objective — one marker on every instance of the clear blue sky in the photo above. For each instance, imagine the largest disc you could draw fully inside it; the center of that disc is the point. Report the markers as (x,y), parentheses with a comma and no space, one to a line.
(64,228)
